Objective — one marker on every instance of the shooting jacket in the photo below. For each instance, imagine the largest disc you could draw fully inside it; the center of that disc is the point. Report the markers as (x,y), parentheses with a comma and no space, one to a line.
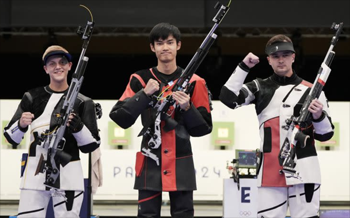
(176,170)
(276,99)
(45,104)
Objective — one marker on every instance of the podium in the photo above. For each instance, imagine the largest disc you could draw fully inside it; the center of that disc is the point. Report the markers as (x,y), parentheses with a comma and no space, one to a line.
(240,202)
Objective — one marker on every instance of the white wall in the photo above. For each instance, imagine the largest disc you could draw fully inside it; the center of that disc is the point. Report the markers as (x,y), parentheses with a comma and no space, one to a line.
(210,162)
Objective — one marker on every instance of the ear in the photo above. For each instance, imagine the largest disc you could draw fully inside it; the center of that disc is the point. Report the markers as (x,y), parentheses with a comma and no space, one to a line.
(293,56)
(268,59)
(45,69)
(152,47)
(178,45)
(70,66)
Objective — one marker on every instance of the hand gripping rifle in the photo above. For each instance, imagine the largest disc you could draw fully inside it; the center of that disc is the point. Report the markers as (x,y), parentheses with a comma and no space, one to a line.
(162,104)
(56,140)
(294,125)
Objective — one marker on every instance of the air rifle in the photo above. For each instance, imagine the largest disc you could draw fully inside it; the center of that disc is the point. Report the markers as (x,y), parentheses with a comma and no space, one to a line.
(294,125)
(162,104)
(56,140)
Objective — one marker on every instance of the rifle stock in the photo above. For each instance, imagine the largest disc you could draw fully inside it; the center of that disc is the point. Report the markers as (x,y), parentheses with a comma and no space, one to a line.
(295,124)
(56,140)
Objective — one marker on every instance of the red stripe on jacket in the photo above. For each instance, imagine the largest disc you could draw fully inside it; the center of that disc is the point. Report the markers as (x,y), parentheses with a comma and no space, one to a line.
(271,168)
(168,160)
(200,88)
(128,93)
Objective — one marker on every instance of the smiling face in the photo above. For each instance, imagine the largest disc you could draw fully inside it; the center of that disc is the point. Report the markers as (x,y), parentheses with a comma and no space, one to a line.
(57,67)
(166,49)
(281,62)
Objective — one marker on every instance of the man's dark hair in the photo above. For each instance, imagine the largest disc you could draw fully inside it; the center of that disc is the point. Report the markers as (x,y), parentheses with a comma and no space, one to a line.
(163,31)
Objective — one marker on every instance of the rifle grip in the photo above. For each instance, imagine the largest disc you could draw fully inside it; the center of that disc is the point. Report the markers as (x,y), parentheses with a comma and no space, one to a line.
(302,139)
(190,88)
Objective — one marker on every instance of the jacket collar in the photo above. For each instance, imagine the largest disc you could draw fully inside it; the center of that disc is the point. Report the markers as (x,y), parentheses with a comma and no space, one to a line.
(283,80)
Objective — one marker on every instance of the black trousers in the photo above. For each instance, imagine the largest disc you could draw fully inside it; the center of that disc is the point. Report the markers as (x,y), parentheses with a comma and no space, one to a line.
(150,202)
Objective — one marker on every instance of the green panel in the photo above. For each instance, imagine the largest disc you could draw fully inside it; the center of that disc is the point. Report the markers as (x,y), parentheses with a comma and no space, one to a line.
(222,134)
(334,141)
(118,135)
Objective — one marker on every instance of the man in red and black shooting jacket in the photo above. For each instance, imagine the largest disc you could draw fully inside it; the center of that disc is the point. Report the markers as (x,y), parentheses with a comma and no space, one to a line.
(166,165)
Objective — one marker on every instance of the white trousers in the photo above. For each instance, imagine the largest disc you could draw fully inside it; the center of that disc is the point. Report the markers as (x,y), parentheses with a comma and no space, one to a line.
(34,203)
(273,202)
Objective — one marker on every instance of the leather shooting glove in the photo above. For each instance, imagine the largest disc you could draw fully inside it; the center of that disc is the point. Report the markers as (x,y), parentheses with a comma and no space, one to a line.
(74,123)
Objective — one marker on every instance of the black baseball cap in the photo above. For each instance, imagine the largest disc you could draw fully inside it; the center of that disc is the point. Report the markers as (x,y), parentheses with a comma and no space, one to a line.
(279,46)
